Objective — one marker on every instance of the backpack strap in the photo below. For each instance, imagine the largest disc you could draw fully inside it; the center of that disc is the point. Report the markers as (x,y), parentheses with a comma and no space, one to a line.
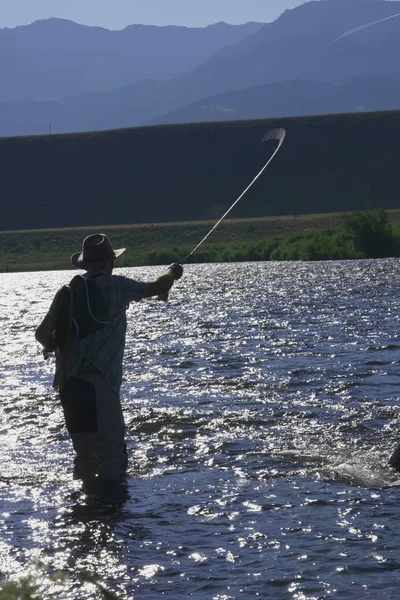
(90,312)
(88,303)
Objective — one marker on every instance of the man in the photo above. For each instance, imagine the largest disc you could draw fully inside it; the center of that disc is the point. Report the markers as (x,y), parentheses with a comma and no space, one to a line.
(89,369)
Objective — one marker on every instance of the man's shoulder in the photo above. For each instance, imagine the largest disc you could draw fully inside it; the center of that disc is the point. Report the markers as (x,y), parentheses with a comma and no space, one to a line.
(126,285)
(110,280)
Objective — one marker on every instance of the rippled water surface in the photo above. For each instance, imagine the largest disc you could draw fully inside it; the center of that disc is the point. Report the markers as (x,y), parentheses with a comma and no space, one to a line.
(261,406)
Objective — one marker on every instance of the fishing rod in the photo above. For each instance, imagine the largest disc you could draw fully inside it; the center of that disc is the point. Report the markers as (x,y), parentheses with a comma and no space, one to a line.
(274,134)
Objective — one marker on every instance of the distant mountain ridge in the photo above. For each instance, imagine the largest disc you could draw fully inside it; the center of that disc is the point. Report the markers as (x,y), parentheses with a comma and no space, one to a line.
(282,99)
(55,58)
(298,47)
(294,98)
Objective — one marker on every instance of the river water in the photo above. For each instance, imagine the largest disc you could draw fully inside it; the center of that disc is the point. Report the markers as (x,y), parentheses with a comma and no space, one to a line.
(261,405)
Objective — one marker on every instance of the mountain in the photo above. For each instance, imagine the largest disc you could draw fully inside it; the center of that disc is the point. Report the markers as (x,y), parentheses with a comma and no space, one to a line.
(288,98)
(294,98)
(301,45)
(317,18)
(54,58)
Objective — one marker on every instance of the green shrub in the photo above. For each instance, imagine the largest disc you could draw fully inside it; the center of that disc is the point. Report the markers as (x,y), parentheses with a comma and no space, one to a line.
(371,233)
(322,244)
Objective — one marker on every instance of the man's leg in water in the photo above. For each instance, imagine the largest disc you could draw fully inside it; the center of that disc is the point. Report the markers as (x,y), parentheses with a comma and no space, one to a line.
(395,458)
(86,465)
(95,422)
(109,441)
(78,399)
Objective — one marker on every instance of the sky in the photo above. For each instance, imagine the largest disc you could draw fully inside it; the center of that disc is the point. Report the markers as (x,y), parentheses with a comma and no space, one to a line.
(117,14)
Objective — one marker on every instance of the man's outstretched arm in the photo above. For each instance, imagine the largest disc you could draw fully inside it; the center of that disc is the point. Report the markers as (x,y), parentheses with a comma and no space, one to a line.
(162,285)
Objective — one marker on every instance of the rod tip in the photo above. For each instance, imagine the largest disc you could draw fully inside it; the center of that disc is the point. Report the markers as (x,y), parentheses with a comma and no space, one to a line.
(275,134)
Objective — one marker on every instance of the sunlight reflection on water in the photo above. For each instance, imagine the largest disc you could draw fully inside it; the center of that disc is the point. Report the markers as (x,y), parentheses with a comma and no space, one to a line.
(261,404)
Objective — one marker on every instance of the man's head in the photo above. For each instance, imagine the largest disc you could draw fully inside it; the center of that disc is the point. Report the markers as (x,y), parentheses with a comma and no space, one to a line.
(97,254)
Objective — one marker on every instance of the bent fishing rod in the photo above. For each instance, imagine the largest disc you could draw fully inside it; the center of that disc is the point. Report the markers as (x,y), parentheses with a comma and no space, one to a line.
(273,134)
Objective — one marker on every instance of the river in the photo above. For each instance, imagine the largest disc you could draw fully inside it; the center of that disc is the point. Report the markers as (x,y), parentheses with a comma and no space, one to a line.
(261,405)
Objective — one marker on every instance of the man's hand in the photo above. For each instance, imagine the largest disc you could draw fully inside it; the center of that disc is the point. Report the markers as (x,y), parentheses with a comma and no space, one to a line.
(177,270)
(161,286)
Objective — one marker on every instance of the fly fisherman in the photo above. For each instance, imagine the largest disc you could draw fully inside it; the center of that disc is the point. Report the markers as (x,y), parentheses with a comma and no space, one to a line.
(89,362)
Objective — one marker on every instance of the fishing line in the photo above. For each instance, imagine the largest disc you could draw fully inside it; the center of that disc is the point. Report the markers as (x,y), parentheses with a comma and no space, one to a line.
(274,134)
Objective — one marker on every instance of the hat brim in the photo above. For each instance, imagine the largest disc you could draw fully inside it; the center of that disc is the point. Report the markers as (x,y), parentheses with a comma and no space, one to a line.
(89,265)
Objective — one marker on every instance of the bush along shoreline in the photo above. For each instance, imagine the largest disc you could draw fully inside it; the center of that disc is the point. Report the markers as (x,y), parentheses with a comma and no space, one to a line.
(360,235)
(363,234)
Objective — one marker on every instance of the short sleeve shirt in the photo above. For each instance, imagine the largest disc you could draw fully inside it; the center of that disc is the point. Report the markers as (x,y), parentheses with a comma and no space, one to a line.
(104,349)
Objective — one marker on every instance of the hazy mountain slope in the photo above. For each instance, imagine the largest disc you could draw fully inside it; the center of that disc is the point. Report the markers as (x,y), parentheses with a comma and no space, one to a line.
(294,98)
(152,101)
(299,45)
(318,18)
(55,58)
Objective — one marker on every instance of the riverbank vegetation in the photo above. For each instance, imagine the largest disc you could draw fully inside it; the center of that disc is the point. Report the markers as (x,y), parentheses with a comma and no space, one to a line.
(370,233)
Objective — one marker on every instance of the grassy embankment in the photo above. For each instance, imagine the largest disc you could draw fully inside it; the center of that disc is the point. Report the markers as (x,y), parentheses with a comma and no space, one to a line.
(193,172)
(182,178)
(235,240)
